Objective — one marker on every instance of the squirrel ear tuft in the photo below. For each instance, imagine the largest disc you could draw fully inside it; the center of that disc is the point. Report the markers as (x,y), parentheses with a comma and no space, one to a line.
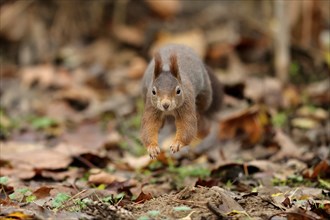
(158,65)
(174,68)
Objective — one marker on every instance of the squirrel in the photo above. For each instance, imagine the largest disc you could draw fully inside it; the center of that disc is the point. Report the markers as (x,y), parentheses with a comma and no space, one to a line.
(177,83)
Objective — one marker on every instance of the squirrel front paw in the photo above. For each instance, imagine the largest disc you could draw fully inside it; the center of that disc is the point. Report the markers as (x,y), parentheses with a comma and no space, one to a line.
(176,146)
(153,151)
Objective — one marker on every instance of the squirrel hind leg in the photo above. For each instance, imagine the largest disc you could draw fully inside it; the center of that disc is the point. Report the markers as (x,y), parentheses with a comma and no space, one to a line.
(217,93)
(203,126)
(203,101)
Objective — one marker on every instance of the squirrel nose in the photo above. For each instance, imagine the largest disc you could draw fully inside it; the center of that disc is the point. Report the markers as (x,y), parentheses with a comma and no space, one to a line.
(166,105)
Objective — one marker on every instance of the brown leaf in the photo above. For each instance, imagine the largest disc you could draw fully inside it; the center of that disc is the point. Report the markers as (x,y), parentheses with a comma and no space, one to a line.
(130,35)
(248,121)
(61,111)
(105,178)
(268,90)
(18,172)
(45,159)
(42,192)
(26,159)
(143,197)
(291,97)
(79,98)
(207,183)
(136,68)
(14,24)
(45,76)
(321,169)
(288,147)
(137,162)
(194,39)
(165,9)
(287,202)
(319,92)
(87,138)
(61,175)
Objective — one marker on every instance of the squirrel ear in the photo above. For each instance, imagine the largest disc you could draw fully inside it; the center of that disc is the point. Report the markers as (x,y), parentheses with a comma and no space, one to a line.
(158,65)
(174,68)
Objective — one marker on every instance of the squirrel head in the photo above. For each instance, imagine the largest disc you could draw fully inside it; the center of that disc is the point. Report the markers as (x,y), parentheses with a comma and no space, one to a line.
(167,93)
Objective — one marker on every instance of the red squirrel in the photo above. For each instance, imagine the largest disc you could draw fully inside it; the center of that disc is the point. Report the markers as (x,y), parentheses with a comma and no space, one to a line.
(177,83)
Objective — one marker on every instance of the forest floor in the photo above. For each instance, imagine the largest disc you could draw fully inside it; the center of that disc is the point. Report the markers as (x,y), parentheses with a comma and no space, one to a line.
(70,145)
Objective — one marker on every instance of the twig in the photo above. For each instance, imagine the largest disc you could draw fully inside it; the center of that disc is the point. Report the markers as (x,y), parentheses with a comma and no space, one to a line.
(192,203)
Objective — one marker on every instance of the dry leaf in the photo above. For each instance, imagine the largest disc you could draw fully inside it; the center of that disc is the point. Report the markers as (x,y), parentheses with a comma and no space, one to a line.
(267,90)
(288,147)
(102,177)
(136,68)
(248,121)
(27,159)
(130,35)
(165,9)
(319,92)
(42,192)
(61,175)
(143,197)
(304,123)
(194,39)
(87,138)
(137,162)
(291,97)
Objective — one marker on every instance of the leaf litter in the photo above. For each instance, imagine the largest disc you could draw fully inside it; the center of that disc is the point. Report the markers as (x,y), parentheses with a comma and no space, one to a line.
(70,146)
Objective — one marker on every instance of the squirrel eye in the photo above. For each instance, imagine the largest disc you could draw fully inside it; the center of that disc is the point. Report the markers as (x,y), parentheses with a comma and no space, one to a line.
(154,91)
(178,91)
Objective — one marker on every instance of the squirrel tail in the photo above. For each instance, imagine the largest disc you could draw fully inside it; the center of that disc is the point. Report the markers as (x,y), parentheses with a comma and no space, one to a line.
(217,93)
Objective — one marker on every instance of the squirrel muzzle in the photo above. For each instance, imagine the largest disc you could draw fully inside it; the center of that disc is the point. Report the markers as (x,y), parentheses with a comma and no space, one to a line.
(166,105)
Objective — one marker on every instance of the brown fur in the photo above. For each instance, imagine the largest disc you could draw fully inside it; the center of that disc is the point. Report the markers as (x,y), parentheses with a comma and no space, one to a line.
(195,105)
(217,93)
(158,65)
(174,66)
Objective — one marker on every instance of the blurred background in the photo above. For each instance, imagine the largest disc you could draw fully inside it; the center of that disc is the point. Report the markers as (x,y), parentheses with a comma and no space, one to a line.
(68,61)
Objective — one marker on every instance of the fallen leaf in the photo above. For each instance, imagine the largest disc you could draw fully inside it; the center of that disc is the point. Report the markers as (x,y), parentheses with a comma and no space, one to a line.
(318,92)
(288,147)
(320,170)
(79,98)
(267,90)
(136,68)
(130,35)
(315,113)
(27,159)
(291,97)
(105,178)
(46,76)
(249,121)
(165,9)
(87,138)
(304,123)
(61,175)
(42,192)
(194,39)
(43,159)
(137,162)
(143,197)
